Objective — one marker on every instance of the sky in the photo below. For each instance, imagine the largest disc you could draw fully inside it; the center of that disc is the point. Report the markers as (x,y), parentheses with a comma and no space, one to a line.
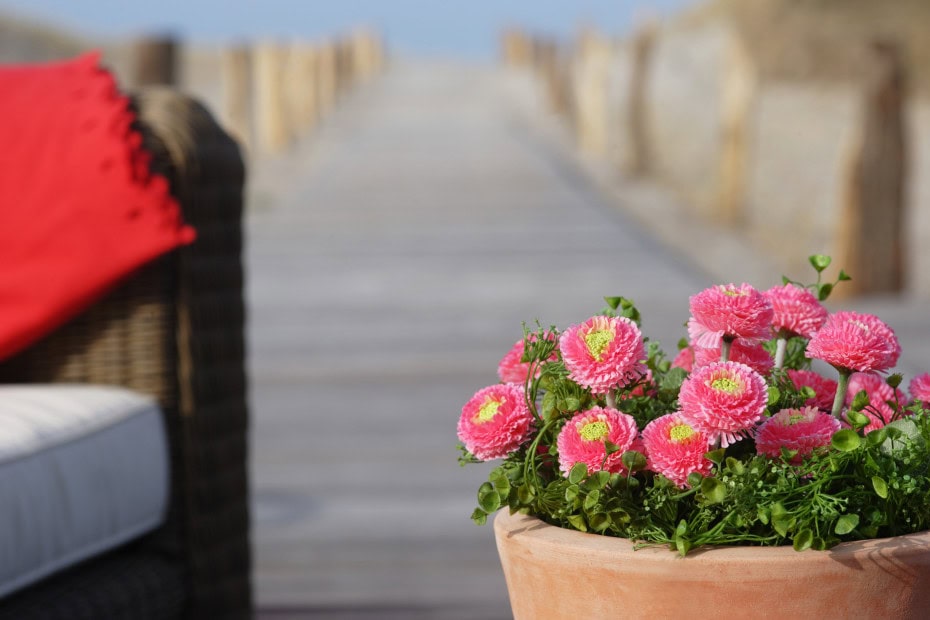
(445,27)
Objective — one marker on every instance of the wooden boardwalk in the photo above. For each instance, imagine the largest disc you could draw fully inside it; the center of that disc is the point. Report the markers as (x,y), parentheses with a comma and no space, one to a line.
(391,260)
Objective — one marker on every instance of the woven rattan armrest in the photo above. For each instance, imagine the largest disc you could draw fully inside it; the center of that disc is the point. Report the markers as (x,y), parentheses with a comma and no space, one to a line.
(175,330)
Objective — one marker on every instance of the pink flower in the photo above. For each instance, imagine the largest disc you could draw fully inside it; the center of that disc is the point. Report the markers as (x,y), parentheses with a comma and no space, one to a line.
(603,353)
(851,341)
(675,448)
(495,421)
(796,310)
(723,400)
(582,439)
(803,430)
(729,310)
(684,359)
(512,369)
(753,355)
(824,389)
(874,386)
(919,387)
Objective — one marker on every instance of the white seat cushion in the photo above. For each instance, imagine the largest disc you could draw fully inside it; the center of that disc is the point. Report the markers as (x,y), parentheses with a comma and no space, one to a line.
(82,470)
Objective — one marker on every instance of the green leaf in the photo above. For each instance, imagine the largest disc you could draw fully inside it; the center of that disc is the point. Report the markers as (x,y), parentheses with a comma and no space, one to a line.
(571,404)
(735,466)
(803,540)
(577,473)
(774,395)
(591,500)
(785,280)
(714,456)
(881,488)
(894,380)
(571,492)
(597,480)
(763,514)
(672,381)
(526,494)
(479,516)
(610,447)
(599,522)
(856,419)
(860,401)
(694,479)
(714,490)
(634,461)
(819,261)
(683,546)
(682,528)
(577,522)
(846,524)
(807,392)
(488,498)
(781,519)
(843,277)
(824,291)
(613,302)
(846,440)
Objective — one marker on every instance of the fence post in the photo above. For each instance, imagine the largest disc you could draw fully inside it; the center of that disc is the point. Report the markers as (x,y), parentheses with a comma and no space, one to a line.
(870,242)
(326,77)
(273,133)
(739,90)
(301,84)
(637,109)
(155,61)
(237,94)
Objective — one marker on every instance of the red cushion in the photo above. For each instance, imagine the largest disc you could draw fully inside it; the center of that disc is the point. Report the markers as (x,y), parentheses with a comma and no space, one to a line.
(79,209)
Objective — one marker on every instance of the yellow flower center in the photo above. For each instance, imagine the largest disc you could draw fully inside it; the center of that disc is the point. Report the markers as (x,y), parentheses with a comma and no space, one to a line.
(597,341)
(487,411)
(593,431)
(680,432)
(795,419)
(734,292)
(725,384)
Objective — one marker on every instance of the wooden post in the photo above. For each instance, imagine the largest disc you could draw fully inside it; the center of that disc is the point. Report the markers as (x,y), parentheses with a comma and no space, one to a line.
(273,133)
(237,94)
(739,91)
(640,153)
(591,95)
(301,84)
(155,61)
(870,244)
(326,78)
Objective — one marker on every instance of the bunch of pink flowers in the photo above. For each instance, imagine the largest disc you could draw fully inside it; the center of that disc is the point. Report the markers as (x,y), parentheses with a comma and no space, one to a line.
(723,399)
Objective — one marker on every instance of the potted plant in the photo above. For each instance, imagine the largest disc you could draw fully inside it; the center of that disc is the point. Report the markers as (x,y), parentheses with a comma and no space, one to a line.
(736,477)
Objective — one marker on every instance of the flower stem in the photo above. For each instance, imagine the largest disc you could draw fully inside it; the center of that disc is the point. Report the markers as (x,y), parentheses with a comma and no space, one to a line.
(612,399)
(725,348)
(781,346)
(840,399)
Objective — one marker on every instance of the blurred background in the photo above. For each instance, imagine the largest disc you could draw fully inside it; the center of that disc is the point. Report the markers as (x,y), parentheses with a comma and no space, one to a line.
(423,177)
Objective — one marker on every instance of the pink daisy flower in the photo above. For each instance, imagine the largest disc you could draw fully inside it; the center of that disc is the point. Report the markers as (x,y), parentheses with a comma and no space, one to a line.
(582,439)
(795,310)
(603,353)
(684,359)
(676,449)
(803,430)
(753,355)
(919,387)
(729,310)
(723,400)
(512,369)
(851,341)
(495,421)
(824,389)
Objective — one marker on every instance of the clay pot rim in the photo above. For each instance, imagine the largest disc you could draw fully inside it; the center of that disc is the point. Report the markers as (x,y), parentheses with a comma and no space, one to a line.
(614,549)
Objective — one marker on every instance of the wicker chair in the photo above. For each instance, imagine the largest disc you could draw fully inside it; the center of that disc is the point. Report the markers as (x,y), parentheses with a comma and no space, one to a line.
(174,330)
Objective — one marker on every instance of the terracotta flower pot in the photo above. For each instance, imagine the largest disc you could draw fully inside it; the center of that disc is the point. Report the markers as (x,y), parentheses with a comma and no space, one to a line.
(557,573)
